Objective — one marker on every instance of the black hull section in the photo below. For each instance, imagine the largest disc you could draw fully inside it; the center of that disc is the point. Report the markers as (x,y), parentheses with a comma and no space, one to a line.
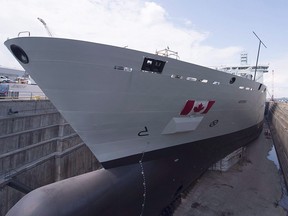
(208,150)
(143,188)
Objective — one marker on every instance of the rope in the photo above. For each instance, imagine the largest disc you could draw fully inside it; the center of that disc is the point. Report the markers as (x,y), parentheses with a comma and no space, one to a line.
(144,184)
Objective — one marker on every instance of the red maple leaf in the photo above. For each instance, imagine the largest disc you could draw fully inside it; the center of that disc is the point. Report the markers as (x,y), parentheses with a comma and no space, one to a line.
(199,108)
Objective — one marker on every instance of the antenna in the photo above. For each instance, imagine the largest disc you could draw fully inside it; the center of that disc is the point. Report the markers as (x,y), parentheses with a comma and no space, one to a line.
(45,25)
(272,97)
(260,42)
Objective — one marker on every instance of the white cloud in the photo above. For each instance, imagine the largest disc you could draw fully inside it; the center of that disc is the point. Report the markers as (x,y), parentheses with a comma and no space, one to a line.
(139,24)
(152,14)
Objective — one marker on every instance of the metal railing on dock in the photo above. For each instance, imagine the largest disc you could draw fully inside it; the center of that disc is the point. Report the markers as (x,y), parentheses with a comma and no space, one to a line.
(14,91)
(25,96)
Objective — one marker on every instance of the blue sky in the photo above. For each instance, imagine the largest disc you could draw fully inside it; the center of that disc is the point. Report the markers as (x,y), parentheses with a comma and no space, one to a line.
(232,22)
(206,32)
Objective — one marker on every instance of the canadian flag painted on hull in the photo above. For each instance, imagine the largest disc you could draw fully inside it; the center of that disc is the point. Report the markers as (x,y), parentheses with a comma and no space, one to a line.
(196,107)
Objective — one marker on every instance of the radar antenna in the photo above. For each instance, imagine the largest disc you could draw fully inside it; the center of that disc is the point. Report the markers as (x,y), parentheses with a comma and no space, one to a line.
(46,27)
(260,42)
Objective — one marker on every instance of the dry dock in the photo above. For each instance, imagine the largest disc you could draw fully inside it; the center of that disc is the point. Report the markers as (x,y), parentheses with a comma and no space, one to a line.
(252,187)
(37,147)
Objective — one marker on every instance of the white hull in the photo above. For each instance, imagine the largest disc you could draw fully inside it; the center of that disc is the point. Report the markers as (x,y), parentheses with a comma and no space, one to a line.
(106,97)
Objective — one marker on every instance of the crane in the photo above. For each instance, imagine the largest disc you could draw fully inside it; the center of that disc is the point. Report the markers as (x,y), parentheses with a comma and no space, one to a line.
(46,27)
(272,97)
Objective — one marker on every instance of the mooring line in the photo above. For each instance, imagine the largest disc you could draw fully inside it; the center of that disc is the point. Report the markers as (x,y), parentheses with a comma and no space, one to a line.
(144,183)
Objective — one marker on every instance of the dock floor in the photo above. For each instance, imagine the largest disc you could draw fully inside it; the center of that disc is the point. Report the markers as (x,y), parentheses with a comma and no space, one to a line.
(251,187)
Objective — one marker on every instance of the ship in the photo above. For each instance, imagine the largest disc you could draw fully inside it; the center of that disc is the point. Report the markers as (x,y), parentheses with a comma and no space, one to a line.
(155,123)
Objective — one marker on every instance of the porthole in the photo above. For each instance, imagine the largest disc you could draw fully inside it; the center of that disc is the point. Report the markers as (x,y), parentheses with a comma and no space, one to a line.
(232,80)
(175,76)
(191,79)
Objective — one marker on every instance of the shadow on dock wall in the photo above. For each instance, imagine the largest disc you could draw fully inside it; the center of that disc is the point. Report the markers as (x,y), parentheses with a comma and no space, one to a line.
(277,116)
(37,147)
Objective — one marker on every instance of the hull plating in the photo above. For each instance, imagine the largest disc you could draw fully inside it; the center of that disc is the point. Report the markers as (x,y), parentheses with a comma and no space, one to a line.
(120,109)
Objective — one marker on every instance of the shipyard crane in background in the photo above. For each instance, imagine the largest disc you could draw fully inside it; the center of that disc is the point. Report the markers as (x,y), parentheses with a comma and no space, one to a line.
(272,97)
(46,27)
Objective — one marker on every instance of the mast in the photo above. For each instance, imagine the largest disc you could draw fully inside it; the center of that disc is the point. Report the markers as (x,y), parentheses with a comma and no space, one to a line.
(260,42)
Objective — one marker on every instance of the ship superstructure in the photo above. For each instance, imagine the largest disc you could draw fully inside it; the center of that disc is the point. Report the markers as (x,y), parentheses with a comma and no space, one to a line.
(245,70)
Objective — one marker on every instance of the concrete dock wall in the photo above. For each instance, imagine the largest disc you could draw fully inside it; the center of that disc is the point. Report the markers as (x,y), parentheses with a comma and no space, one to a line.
(37,147)
(278,120)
